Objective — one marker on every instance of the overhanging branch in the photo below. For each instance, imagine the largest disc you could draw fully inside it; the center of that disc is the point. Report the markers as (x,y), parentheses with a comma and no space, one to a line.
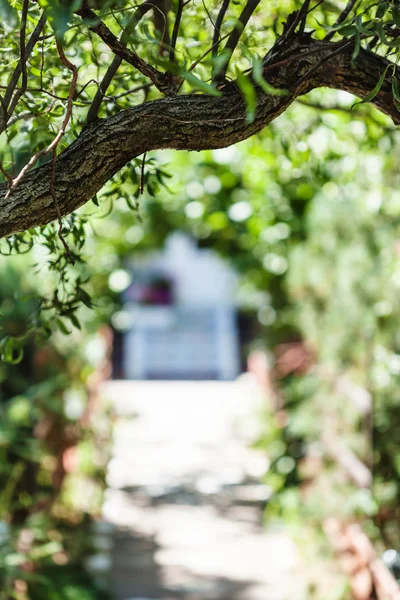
(191,122)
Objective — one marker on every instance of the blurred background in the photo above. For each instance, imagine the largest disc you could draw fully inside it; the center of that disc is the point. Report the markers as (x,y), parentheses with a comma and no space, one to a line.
(220,416)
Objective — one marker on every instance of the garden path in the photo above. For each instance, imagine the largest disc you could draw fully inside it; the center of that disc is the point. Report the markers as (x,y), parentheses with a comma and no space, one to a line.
(185,497)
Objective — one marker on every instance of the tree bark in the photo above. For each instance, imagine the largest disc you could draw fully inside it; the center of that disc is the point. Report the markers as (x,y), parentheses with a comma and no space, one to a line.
(187,122)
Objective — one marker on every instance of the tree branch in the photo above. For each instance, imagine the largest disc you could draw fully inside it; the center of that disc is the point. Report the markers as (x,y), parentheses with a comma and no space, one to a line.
(188,122)
(113,68)
(234,37)
(217,29)
(53,145)
(341,18)
(160,19)
(160,80)
(19,69)
(175,31)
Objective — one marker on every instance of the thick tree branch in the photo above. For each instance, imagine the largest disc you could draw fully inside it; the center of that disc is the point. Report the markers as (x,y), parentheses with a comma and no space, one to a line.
(193,122)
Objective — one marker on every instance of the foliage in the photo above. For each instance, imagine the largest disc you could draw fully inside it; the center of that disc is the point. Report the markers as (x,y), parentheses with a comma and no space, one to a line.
(54,94)
(48,453)
(307,212)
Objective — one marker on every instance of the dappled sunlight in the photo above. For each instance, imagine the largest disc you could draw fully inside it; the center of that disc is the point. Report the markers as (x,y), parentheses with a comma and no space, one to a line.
(184,477)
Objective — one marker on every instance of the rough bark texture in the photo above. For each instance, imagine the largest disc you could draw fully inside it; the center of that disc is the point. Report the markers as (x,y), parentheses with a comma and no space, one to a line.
(187,122)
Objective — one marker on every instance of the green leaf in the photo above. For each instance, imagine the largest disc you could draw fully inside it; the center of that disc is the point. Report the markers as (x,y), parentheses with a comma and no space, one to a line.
(382,36)
(12,350)
(396,92)
(376,89)
(396,15)
(59,14)
(357,46)
(62,327)
(200,85)
(250,97)
(84,297)
(381,10)
(348,30)
(264,85)
(74,320)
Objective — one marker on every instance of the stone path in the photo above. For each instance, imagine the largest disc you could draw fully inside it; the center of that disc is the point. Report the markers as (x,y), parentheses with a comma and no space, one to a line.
(185,498)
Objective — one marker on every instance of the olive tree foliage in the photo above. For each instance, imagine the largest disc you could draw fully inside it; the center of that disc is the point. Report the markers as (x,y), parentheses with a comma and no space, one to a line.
(88,87)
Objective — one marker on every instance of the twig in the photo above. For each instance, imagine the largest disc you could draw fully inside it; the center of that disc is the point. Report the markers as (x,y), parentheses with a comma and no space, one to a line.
(117,47)
(294,19)
(302,15)
(102,90)
(18,69)
(142,173)
(196,62)
(6,175)
(23,46)
(208,13)
(160,18)
(234,37)
(138,88)
(217,29)
(42,63)
(65,122)
(175,31)
(22,61)
(112,69)
(83,88)
(342,17)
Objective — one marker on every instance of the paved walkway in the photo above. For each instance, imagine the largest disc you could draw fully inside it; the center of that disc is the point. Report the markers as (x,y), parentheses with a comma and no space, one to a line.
(185,497)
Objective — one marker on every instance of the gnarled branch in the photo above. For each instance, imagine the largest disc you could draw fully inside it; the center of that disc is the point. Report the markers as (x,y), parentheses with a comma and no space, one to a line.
(188,122)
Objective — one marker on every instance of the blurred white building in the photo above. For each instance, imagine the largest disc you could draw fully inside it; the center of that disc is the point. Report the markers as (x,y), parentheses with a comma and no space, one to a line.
(183,315)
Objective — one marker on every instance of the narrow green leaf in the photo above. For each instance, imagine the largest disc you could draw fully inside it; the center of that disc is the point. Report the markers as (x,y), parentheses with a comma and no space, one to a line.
(62,327)
(264,85)
(382,36)
(84,297)
(381,10)
(357,46)
(396,92)
(75,321)
(200,85)
(376,89)
(249,94)
(396,15)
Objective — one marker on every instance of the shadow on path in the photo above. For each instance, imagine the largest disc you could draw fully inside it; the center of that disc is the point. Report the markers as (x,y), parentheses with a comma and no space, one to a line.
(185,496)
